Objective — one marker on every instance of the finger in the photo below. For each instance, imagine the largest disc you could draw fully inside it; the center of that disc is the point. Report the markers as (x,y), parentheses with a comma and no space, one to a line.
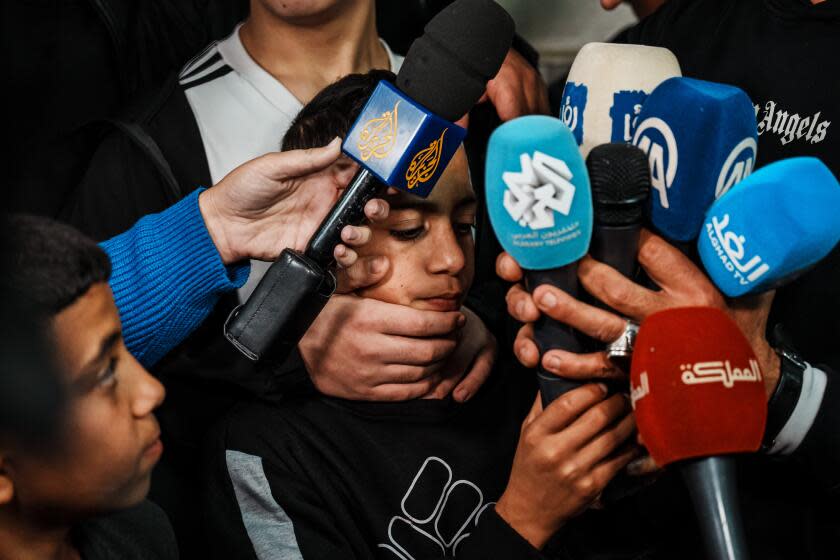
(344,256)
(423,352)
(521,305)
(566,408)
(508,269)
(643,466)
(593,321)
(377,210)
(402,320)
(607,441)
(405,374)
(525,348)
(476,375)
(583,431)
(606,470)
(361,273)
(581,366)
(536,410)
(356,236)
(402,391)
(617,291)
(297,163)
(666,265)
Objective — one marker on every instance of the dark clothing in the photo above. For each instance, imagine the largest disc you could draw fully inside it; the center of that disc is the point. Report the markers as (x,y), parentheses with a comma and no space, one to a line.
(73,62)
(783,54)
(332,479)
(139,533)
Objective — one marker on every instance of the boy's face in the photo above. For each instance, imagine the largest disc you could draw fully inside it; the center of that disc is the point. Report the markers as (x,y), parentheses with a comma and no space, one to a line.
(429,243)
(111,438)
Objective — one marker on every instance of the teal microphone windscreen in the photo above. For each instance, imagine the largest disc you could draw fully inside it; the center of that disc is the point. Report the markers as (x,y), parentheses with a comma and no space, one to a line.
(538,193)
(772,226)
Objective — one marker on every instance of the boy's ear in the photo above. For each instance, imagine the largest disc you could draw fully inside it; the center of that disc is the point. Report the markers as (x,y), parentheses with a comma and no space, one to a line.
(7,487)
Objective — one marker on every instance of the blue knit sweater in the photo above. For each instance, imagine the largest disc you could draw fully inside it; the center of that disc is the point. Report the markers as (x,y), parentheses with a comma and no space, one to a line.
(167,276)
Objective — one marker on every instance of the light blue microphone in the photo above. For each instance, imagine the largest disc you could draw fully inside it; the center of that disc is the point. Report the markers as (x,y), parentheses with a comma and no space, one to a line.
(540,206)
(771,227)
(701,139)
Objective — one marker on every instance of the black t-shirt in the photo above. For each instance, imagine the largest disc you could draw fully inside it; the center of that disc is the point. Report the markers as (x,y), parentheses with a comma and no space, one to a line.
(139,533)
(784,55)
(329,478)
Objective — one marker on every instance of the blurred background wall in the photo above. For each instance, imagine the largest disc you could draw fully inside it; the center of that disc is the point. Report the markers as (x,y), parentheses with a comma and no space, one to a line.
(558,28)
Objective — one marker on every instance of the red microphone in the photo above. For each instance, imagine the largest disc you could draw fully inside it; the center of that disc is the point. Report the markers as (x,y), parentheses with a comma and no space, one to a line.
(698,395)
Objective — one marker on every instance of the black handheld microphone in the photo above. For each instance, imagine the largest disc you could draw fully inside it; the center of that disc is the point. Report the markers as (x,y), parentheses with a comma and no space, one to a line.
(403,138)
(620,178)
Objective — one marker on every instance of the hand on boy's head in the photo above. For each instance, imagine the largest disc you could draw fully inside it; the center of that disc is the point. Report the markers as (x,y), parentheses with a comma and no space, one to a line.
(111,438)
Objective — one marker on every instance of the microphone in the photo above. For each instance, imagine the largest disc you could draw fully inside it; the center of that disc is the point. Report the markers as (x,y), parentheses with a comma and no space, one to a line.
(620,179)
(698,395)
(771,227)
(700,138)
(606,87)
(540,207)
(403,138)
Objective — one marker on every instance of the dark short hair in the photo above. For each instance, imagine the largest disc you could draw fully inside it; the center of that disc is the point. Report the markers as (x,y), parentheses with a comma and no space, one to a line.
(50,264)
(332,112)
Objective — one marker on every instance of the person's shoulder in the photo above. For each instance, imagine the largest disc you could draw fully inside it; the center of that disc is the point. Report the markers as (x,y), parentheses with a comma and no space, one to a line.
(205,68)
(142,532)
(261,428)
(675,18)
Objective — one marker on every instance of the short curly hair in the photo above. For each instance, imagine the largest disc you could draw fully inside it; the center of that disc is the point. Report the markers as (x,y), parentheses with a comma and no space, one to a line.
(332,112)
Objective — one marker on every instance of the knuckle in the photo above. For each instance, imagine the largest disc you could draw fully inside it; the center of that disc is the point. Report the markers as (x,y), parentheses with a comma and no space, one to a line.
(652,251)
(615,293)
(587,487)
(569,472)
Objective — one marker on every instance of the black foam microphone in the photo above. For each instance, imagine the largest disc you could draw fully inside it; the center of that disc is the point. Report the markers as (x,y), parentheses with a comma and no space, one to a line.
(620,178)
(403,138)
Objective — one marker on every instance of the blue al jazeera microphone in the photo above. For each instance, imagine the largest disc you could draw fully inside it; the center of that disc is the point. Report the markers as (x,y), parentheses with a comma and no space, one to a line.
(701,139)
(404,138)
(771,227)
(540,206)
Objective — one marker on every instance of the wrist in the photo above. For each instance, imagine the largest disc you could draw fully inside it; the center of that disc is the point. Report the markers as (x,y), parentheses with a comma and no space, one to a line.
(214,222)
(770,364)
(522,521)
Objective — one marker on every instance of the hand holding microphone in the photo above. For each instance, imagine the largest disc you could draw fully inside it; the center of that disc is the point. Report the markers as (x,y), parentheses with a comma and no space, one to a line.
(698,394)
(404,137)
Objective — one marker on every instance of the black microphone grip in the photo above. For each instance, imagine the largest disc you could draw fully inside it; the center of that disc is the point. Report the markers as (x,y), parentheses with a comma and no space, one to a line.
(711,483)
(550,334)
(616,246)
(349,210)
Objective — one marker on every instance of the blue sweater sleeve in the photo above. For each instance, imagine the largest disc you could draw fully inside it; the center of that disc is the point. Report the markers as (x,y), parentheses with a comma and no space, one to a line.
(166,277)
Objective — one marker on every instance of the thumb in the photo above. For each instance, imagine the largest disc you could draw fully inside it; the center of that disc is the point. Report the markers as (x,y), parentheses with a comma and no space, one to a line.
(298,163)
(365,272)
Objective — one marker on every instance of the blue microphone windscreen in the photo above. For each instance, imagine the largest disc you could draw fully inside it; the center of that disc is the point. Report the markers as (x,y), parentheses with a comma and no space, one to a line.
(538,193)
(778,222)
(701,139)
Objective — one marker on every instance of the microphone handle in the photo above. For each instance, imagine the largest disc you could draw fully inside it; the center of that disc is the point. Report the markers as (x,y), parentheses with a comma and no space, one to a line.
(616,246)
(712,484)
(349,210)
(549,333)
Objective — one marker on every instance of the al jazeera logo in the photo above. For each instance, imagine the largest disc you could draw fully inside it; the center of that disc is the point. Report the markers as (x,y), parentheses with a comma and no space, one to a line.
(379,135)
(424,164)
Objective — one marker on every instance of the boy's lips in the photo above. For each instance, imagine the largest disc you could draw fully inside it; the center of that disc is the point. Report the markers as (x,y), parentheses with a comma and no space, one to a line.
(154,449)
(444,302)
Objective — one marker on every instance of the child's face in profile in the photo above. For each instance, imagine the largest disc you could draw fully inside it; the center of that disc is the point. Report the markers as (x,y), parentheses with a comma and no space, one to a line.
(110,441)
(429,243)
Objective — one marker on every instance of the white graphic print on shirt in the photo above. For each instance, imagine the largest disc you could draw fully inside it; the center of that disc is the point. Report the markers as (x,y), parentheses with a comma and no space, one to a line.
(436,514)
(790,126)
